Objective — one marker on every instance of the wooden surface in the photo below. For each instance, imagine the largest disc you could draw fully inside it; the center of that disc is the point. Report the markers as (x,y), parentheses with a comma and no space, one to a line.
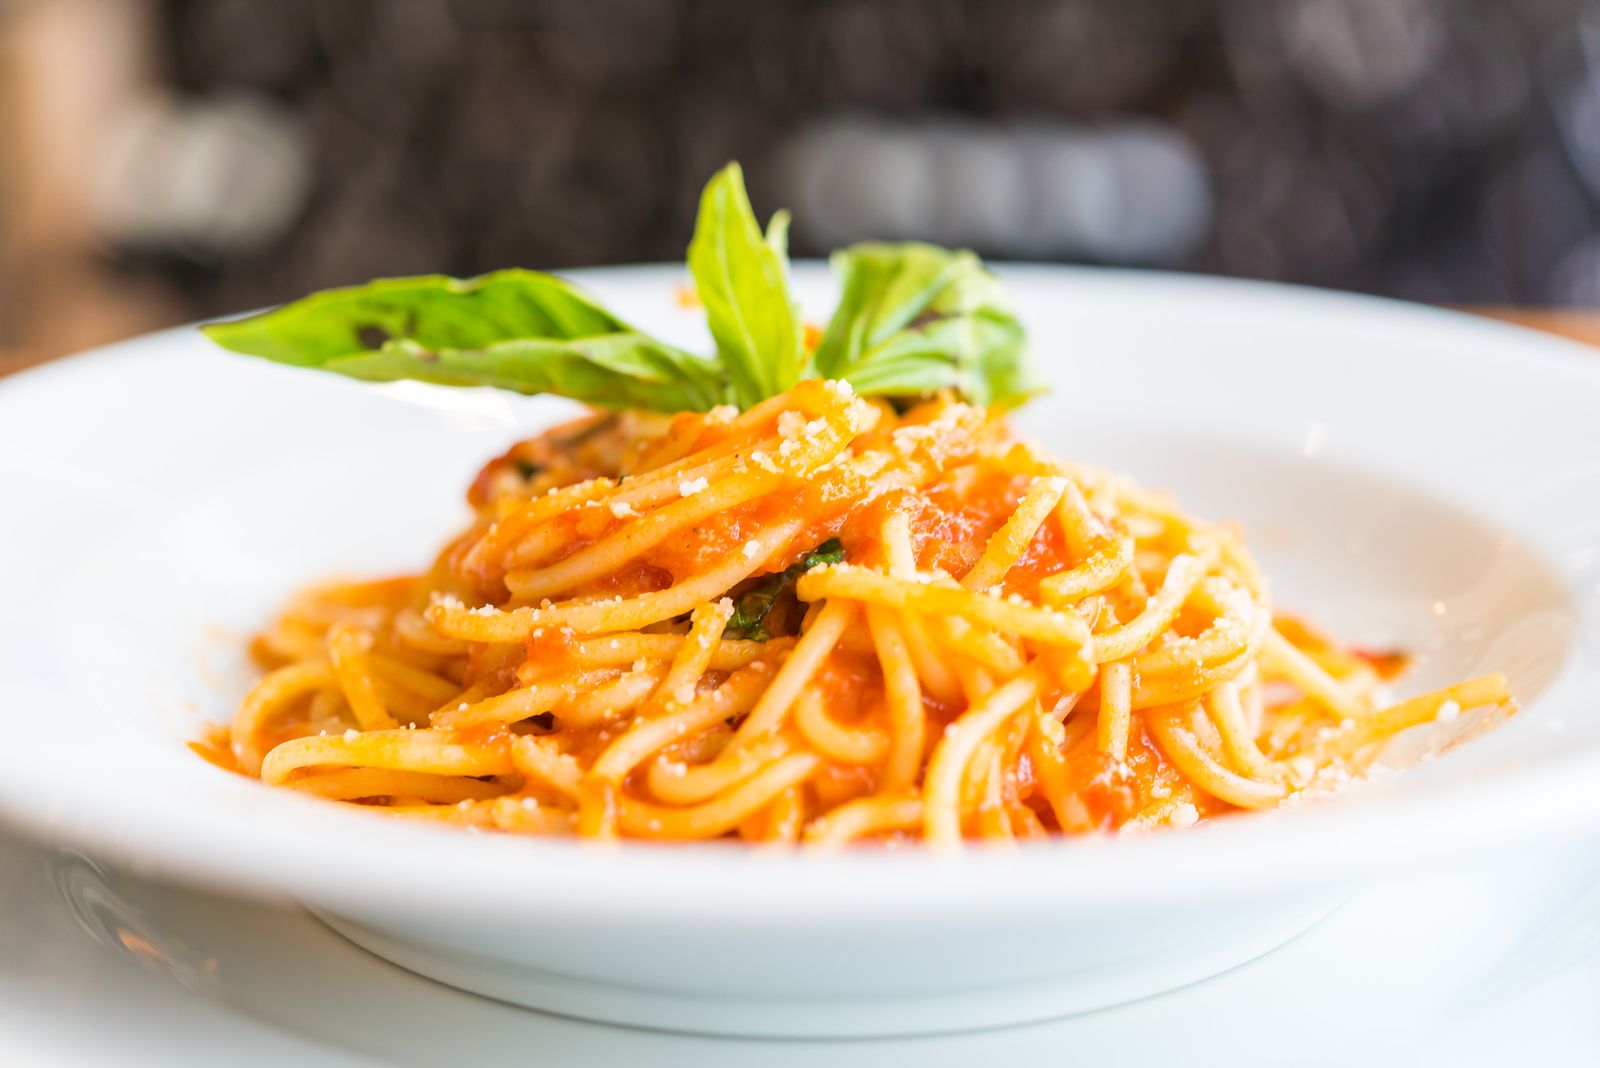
(1579,325)
(15,360)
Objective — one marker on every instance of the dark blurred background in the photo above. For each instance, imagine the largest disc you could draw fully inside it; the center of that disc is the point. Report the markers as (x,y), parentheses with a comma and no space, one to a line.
(166,159)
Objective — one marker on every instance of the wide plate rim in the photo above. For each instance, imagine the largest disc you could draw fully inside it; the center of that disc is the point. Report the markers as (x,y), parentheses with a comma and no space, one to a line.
(1313,843)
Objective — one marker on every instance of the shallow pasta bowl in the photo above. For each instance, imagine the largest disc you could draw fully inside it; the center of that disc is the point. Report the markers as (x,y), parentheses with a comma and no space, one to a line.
(1406,476)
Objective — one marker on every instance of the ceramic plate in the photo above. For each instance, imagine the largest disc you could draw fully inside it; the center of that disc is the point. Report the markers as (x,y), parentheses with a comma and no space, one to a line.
(1407,476)
(1494,961)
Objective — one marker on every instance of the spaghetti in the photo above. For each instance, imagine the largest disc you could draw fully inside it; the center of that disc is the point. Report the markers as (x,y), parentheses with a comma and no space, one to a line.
(818,621)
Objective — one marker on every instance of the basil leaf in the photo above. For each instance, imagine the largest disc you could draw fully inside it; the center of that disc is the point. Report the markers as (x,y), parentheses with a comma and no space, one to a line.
(751,608)
(778,234)
(610,371)
(435,311)
(742,277)
(829,552)
(517,330)
(913,319)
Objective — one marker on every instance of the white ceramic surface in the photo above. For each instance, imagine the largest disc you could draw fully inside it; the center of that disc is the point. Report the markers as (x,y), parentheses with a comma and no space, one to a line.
(1408,475)
(1472,965)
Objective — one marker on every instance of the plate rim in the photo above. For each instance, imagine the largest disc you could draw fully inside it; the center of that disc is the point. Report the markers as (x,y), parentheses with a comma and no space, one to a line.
(1097,872)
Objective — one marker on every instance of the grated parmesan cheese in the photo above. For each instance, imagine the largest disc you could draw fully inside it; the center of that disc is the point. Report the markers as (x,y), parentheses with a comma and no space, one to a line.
(689,487)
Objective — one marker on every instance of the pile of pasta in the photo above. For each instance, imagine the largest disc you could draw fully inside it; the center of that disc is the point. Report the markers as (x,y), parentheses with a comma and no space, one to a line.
(819,621)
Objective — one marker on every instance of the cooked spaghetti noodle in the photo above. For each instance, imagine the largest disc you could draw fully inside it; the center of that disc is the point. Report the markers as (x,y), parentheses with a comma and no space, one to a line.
(820,622)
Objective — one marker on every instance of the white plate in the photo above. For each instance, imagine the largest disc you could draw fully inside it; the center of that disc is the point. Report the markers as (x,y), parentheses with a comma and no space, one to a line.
(1483,964)
(1409,475)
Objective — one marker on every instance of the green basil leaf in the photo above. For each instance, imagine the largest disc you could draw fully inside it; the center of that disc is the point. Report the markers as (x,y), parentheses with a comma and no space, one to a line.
(829,552)
(750,610)
(752,606)
(434,311)
(742,277)
(611,371)
(777,236)
(518,330)
(913,319)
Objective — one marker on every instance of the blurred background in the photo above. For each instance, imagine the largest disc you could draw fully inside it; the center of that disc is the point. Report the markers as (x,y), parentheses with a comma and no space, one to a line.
(167,159)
